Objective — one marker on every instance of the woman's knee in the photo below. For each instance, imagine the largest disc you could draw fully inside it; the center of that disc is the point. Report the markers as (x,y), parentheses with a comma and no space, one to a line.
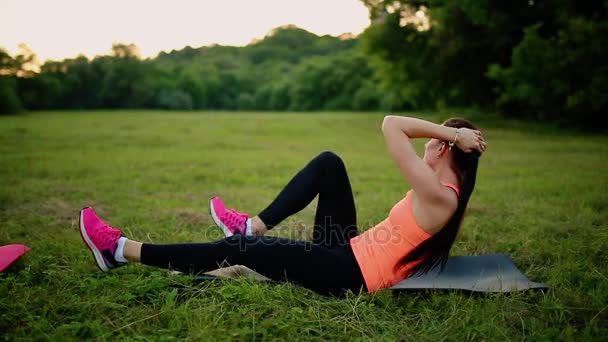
(330,158)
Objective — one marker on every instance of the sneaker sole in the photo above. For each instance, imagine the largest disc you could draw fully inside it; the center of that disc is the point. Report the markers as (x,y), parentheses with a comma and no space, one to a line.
(227,232)
(87,241)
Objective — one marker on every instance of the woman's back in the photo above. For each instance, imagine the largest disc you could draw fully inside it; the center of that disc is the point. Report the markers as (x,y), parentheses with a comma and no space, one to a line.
(380,248)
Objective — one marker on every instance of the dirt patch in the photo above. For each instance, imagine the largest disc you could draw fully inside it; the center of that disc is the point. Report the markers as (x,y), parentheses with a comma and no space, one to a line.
(190,217)
(59,210)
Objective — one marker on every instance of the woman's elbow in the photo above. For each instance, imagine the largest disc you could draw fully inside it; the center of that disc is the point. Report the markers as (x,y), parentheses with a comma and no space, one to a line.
(387,122)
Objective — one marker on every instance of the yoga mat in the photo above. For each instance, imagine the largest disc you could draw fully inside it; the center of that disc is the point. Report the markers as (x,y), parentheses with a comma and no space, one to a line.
(480,273)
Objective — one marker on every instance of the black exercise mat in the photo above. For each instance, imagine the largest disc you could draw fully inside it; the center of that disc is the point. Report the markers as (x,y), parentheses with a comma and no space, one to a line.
(480,273)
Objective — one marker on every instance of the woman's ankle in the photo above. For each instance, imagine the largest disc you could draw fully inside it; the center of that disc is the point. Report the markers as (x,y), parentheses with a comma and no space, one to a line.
(258,227)
(132,250)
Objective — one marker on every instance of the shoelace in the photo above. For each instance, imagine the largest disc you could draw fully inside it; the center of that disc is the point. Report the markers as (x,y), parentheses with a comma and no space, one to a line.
(109,234)
(234,218)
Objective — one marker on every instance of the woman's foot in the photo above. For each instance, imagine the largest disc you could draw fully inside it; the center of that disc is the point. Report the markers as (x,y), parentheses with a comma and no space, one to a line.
(229,220)
(101,239)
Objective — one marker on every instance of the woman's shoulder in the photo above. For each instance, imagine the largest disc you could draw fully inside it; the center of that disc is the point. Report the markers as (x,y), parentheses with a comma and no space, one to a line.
(432,217)
(453,187)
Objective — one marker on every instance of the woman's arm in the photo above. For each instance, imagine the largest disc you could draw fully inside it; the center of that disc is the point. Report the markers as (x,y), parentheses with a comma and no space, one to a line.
(398,130)
(417,128)
(468,139)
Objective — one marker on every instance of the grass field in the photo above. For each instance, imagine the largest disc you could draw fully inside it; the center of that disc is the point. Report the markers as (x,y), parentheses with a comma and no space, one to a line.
(541,198)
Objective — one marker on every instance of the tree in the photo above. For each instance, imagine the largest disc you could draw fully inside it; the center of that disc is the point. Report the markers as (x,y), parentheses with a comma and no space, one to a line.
(562,77)
(9,68)
(9,101)
(536,59)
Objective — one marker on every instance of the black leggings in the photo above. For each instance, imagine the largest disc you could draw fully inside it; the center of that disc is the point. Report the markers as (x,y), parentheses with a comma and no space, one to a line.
(326,265)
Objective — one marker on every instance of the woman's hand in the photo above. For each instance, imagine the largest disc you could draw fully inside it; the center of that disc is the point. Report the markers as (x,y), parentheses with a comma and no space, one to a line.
(470,139)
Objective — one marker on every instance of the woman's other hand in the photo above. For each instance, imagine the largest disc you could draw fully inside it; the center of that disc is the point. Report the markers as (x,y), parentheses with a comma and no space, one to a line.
(470,139)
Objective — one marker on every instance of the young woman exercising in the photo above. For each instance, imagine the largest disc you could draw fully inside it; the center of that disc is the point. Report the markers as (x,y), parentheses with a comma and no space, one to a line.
(415,237)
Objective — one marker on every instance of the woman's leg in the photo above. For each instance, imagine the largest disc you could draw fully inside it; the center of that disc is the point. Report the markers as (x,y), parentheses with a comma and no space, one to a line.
(336,218)
(324,270)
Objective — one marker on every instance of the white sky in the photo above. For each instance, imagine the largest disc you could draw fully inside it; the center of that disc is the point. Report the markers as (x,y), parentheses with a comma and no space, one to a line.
(57,29)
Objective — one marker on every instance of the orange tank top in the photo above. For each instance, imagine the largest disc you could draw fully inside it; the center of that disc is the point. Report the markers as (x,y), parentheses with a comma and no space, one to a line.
(380,248)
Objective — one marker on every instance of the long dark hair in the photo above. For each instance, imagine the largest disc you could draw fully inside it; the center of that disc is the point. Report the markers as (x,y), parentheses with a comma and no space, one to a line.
(434,251)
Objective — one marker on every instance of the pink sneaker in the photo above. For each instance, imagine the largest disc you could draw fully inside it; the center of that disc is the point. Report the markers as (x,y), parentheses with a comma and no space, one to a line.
(100,238)
(231,221)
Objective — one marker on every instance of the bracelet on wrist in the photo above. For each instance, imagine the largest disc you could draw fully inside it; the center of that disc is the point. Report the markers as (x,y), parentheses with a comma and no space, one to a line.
(452,143)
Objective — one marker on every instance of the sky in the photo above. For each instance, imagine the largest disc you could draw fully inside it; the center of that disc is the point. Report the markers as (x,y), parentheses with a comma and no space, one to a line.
(58,29)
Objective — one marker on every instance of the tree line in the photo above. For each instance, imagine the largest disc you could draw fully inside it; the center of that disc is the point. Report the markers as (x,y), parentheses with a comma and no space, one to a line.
(290,69)
(538,59)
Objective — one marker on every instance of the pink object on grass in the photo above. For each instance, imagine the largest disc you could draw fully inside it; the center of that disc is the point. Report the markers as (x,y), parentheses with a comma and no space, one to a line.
(10,253)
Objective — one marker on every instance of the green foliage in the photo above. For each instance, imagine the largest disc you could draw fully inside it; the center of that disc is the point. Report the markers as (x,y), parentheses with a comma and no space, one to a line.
(152,174)
(563,74)
(9,101)
(403,78)
(266,75)
(292,44)
(536,59)
(367,97)
(329,83)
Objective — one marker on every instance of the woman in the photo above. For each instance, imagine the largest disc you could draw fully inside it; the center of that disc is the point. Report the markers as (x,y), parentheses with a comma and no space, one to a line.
(415,237)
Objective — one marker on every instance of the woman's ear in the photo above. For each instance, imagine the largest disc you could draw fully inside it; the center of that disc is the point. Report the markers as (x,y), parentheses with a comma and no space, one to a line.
(443,147)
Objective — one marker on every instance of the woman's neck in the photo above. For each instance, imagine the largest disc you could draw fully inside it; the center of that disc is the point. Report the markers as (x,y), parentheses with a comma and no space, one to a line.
(446,174)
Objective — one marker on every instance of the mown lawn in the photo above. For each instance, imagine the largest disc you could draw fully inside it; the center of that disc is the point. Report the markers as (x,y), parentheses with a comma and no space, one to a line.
(541,197)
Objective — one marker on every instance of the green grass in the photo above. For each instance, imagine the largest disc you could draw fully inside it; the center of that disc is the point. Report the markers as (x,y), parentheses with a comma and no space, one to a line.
(541,198)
